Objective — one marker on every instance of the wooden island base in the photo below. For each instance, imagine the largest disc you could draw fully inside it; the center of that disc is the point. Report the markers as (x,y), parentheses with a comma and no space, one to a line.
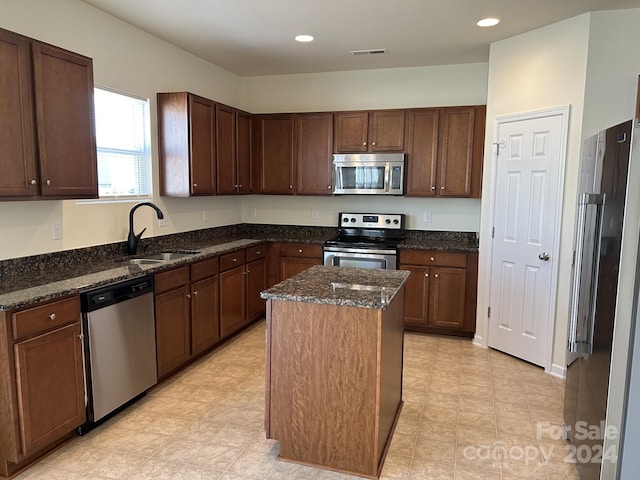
(334,382)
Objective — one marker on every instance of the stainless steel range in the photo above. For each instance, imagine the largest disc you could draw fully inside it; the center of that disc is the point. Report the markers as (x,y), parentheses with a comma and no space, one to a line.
(366,240)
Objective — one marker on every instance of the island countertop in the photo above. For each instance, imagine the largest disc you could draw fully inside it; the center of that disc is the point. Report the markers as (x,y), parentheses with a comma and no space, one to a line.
(346,286)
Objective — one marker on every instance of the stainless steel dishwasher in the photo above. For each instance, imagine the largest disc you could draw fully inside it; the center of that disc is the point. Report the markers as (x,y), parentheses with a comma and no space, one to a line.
(120,346)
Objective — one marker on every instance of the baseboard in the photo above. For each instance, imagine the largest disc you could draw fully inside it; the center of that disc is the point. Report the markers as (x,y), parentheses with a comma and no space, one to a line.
(478,341)
(557,371)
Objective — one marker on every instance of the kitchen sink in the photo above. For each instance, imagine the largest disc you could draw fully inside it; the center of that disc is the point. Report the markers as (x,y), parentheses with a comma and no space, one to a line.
(160,257)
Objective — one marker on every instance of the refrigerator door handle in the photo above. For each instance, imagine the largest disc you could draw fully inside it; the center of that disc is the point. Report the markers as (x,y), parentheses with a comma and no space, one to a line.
(584,200)
(587,343)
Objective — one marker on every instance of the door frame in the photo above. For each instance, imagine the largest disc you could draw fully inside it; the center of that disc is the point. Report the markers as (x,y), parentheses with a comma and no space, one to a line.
(564,112)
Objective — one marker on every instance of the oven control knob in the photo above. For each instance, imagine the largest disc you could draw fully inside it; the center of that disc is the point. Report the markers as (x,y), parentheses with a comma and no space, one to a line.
(395,221)
(387,221)
(353,220)
(345,220)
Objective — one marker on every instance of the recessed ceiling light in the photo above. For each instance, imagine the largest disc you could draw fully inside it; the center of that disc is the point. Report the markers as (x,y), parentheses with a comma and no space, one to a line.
(304,38)
(488,22)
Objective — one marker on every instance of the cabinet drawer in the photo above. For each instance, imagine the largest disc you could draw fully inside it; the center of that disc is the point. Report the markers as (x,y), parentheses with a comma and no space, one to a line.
(204,269)
(304,250)
(172,279)
(45,317)
(231,260)
(254,253)
(433,257)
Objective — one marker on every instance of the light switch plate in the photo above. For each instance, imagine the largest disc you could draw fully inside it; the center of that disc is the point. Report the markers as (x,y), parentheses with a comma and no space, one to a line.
(253,212)
(315,214)
(427,216)
(56,231)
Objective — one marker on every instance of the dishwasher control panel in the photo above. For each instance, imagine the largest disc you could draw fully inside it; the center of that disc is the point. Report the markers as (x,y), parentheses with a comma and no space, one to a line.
(116,292)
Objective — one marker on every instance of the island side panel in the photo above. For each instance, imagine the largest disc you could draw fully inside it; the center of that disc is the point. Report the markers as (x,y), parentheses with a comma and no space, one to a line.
(391,355)
(323,384)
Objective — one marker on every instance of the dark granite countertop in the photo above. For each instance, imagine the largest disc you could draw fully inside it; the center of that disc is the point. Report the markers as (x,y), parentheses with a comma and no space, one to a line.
(345,286)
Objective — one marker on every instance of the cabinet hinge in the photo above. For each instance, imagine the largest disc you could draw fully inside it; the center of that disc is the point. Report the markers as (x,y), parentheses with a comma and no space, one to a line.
(488,312)
(493,232)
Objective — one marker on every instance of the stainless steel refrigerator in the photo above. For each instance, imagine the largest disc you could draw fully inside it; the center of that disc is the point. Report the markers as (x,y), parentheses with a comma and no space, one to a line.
(601,203)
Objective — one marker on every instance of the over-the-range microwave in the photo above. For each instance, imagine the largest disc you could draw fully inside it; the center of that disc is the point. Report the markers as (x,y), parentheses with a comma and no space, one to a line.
(368,174)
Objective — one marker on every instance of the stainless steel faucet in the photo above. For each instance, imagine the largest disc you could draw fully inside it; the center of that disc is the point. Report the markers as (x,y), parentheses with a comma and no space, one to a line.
(133,239)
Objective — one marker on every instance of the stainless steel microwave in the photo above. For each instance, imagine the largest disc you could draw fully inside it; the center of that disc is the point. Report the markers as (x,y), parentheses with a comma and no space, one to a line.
(368,174)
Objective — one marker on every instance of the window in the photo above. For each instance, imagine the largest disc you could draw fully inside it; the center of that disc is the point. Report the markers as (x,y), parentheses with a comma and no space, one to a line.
(122,137)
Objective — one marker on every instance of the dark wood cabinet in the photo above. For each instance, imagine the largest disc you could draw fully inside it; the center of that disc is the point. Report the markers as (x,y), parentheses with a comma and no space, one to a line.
(256,281)
(445,150)
(187,316)
(226,159)
(276,154)
(233,292)
(314,153)
(440,293)
(297,257)
(47,126)
(375,131)
(187,144)
(41,379)
(244,152)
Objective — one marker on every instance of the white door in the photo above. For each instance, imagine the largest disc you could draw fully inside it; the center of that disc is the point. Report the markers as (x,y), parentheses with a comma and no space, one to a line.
(527,209)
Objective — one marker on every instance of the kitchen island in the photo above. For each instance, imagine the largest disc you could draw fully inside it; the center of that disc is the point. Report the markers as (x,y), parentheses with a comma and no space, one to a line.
(334,366)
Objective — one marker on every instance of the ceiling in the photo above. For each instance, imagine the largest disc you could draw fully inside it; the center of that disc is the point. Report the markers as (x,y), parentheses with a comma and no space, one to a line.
(255,37)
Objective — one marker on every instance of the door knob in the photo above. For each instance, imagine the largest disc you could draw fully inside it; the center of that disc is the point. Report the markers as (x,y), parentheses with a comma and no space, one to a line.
(544,256)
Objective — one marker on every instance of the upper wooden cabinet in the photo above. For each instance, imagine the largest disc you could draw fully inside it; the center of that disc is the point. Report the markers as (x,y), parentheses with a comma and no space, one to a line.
(445,151)
(234,149)
(187,145)
(276,153)
(47,127)
(314,135)
(376,131)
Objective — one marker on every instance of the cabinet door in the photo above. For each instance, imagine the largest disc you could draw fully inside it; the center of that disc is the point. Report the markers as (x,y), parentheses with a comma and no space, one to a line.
(17,134)
(226,149)
(63,86)
(386,131)
(256,282)
(457,127)
(244,152)
(422,150)
(50,384)
(447,297)
(202,134)
(315,143)
(292,266)
(351,131)
(205,321)
(232,300)
(173,333)
(416,295)
(276,154)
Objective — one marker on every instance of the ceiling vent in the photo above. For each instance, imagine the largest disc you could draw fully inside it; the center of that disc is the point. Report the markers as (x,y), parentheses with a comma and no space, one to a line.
(373,51)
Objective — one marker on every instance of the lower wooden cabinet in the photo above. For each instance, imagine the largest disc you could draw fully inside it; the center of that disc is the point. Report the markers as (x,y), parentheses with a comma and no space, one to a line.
(41,379)
(187,317)
(242,278)
(297,257)
(441,292)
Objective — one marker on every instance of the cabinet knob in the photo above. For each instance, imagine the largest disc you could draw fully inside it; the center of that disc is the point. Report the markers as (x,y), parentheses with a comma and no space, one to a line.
(48,182)
(195,185)
(239,186)
(291,186)
(364,144)
(299,250)
(33,182)
(373,144)
(81,336)
(436,275)
(195,293)
(328,187)
(441,188)
(426,275)
(234,259)
(433,259)
(52,316)
(188,295)
(433,188)
(258,252)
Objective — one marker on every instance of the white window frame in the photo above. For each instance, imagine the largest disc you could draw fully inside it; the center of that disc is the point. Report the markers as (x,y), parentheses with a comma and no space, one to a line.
(146,153)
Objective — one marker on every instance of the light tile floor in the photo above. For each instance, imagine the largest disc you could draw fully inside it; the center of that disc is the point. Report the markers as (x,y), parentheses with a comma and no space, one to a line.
(469,413)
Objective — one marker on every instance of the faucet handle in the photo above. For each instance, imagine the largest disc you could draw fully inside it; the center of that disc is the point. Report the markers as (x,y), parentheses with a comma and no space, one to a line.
(138,236)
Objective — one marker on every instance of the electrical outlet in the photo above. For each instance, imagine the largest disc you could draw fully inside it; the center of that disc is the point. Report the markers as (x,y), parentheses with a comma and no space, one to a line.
(427,216)
(56,233)
(253,213)
(205,216)
(315,214)
(162,222)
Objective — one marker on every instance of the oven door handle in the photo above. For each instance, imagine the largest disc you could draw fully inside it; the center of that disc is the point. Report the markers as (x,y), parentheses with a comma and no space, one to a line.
(367,252)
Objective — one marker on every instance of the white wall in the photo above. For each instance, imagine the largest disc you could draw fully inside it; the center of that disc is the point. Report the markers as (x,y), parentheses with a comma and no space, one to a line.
(537,70)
